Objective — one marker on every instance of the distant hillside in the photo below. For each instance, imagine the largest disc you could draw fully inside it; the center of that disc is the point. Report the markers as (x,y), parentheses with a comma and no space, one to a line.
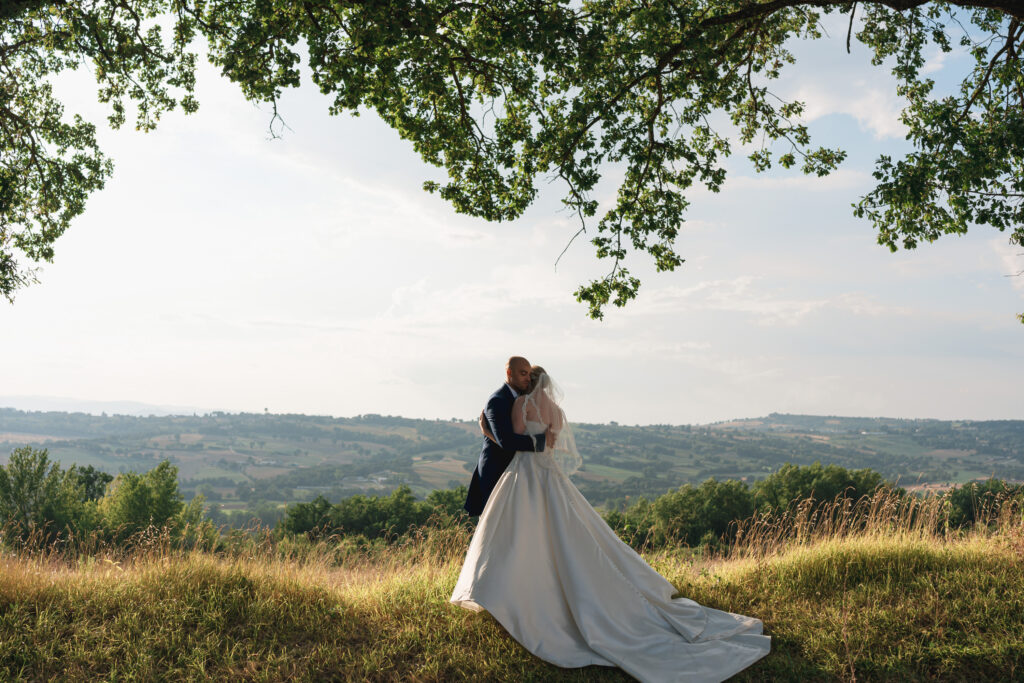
(243,460)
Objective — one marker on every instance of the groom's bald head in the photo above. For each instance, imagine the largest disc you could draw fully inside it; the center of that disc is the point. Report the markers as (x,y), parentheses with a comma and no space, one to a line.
(517,373)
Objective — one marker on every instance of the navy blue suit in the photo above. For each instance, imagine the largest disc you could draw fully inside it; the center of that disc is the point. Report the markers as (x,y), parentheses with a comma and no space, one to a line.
(495,457)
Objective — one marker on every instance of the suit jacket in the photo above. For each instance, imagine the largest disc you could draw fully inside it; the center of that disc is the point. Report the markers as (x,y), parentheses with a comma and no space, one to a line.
(495,457)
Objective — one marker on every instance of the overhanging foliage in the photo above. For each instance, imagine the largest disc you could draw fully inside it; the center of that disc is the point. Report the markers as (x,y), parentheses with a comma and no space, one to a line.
(502,94)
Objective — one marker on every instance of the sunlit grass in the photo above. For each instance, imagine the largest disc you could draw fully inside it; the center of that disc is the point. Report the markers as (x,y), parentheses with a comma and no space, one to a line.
(885,594)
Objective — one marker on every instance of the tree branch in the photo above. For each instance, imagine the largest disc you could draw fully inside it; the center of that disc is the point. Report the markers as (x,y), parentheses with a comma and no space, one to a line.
(1011,38)
(1013,8)
(849,31)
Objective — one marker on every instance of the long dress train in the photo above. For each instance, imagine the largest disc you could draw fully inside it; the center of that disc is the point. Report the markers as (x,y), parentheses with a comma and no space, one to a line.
(562,583)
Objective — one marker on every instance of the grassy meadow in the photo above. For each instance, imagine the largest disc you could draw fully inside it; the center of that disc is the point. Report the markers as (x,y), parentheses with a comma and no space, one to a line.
(874,591)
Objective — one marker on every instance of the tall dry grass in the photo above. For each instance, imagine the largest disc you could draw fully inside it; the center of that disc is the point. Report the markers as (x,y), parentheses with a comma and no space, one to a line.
(885,514)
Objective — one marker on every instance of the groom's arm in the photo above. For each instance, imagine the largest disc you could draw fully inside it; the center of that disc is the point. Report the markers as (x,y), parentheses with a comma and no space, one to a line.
(499,416)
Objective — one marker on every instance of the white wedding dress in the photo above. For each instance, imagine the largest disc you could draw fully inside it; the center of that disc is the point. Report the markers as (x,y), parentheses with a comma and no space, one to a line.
(562,583)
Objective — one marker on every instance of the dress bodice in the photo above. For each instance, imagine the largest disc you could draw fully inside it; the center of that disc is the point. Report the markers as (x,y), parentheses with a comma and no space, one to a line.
(533,427)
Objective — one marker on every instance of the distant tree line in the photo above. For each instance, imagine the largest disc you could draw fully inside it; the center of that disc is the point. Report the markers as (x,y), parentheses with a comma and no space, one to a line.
(704,515)
(39,500)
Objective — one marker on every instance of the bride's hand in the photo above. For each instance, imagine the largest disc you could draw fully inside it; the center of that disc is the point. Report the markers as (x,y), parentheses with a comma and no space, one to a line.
(549,439)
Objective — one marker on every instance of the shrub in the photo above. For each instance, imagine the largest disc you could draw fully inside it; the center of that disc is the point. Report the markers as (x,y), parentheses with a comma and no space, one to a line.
(690,513)
(373,517)
(822,483)
(136,501)
(38,497)
(973,501)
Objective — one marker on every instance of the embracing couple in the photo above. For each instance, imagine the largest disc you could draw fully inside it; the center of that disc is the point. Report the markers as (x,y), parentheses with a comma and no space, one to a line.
(546,565)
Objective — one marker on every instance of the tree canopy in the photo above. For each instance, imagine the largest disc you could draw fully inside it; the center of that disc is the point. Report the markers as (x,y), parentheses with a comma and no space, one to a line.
(503,94)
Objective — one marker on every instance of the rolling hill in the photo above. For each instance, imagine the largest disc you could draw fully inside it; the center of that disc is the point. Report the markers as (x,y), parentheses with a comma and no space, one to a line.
(240,460)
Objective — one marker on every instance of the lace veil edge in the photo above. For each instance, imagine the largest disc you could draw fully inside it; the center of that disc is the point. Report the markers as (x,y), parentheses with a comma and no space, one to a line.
(563,450)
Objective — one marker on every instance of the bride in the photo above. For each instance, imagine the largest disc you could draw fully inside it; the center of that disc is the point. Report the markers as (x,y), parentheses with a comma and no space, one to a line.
(562,583)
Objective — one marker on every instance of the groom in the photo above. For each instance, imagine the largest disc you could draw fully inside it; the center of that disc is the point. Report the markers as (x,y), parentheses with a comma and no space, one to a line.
(495,457)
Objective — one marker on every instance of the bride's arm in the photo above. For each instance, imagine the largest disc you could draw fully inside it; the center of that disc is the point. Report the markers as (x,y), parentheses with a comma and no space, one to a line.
(552,415)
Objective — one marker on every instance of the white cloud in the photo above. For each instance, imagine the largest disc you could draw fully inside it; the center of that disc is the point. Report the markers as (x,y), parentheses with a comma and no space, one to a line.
(745,294)
(845,179)
(1011,258)
(830,81)
(935,63)
(876,108)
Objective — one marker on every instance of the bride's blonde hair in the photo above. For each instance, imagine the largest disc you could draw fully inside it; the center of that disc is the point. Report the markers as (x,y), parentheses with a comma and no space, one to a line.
(535,372)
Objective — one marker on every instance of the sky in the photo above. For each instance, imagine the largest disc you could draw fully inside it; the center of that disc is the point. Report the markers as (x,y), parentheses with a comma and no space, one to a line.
(220,269)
